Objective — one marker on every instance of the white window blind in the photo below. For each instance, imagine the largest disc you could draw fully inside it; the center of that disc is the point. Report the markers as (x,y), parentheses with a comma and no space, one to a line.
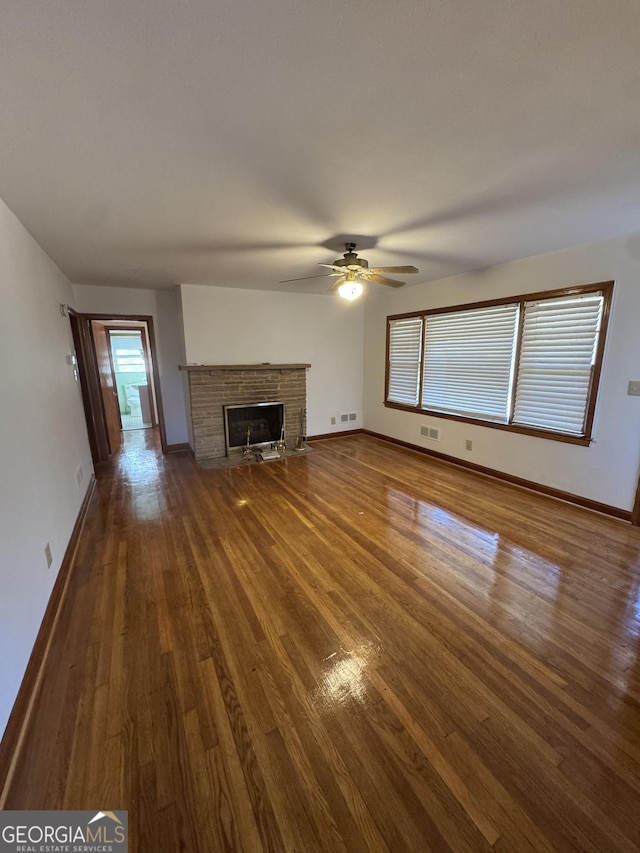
(557,354)
(468,362)
(128,361)
(405,358)
(127,352)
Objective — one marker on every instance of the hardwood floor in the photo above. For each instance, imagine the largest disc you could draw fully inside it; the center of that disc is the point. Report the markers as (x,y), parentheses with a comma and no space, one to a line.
(357,650)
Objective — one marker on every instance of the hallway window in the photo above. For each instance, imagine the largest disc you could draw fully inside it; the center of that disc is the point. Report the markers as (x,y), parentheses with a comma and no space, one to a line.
(128,355)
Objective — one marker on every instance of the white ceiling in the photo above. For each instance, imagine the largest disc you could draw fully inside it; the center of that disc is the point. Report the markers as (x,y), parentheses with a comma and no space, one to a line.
(232,142)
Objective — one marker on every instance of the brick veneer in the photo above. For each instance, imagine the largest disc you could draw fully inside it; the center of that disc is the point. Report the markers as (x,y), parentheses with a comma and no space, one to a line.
(211,388)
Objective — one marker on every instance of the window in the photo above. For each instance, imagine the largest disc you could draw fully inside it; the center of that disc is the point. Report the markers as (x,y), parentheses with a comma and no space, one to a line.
(405,356)
(557,357)
(468,360)
(127,352)
(530,364)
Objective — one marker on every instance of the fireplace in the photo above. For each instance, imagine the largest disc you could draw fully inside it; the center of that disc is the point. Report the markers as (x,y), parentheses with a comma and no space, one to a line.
(211,387)
(258,424)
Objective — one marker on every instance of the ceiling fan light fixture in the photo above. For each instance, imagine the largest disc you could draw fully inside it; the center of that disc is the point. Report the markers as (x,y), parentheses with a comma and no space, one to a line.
(350,268)
(350,290)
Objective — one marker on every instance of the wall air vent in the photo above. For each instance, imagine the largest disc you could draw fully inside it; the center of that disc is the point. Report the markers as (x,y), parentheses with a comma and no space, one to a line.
(430,432)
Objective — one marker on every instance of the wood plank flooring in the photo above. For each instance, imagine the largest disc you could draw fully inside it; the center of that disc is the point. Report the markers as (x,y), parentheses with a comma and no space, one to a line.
(356,650)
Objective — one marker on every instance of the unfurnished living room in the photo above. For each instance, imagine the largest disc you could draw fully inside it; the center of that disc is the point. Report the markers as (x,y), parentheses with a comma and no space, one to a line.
(320,479)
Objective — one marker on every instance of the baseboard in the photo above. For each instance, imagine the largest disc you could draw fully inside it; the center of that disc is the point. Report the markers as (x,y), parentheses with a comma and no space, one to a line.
(176,448)
(21,713)
(335,434)
(569,497)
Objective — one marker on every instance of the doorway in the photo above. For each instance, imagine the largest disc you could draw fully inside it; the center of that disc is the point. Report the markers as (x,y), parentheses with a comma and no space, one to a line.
(117,370)
(132,378)
(131,362)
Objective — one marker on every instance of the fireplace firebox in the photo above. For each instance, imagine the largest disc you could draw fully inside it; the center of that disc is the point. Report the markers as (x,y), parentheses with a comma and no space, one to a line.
(259,425)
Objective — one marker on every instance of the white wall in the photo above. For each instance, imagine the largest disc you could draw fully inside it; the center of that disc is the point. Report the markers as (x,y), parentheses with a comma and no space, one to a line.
(43,441)
(226,326)
(607,471)
(164,307)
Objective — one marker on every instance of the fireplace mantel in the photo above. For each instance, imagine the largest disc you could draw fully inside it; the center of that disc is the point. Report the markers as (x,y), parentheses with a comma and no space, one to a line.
(264,365)
(214,386)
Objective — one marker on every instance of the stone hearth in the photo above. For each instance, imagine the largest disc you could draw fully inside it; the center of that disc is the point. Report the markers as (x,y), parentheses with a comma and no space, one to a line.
(213,386)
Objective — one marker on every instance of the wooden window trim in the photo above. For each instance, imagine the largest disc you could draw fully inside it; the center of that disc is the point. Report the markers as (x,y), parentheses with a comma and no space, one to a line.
(604,287)
(386,361)
(423,338)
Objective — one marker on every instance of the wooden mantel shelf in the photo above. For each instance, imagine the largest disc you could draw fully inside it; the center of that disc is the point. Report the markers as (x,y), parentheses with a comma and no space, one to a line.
(265,365)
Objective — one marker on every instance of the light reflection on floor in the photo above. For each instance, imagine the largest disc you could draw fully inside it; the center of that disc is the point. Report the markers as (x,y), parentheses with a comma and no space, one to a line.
(449,538)
(518,582)
(345,677)
(633,623)
(429,517)
(139,464)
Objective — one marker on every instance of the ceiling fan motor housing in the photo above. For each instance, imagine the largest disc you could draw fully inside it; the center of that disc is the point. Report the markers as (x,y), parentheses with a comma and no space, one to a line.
(352,262)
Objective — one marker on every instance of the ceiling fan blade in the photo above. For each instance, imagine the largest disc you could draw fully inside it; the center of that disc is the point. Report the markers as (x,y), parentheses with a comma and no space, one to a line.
(304,278)
(336,284)
(381,279)
(394,269)
(333,267)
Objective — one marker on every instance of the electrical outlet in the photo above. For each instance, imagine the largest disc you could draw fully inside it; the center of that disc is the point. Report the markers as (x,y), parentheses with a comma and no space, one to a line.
(333,421)
(468,444)
(47,554)
(634,389)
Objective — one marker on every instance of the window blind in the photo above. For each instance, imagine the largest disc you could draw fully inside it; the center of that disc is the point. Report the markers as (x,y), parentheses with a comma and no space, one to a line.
(126,360)
(557,355)
(405,358)
(468,362)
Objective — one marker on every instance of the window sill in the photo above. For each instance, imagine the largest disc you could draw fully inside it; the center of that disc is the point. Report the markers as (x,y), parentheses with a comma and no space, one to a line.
(581,440)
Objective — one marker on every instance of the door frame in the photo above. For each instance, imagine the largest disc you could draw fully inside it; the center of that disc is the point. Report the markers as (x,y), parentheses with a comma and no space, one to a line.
(148,362)
(90,380)
(635,512)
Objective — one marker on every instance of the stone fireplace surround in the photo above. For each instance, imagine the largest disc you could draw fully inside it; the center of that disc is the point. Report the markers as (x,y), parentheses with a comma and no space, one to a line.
(212,386)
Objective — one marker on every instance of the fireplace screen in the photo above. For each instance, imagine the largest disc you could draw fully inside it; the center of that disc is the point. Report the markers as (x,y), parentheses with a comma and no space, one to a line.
(259,425)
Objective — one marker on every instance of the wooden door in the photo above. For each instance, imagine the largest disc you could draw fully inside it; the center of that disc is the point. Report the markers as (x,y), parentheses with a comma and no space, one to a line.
(89,386)
(107,384)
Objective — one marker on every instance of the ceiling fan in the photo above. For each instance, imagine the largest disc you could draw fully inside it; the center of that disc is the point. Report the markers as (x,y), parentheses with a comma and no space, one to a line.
(350,271)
